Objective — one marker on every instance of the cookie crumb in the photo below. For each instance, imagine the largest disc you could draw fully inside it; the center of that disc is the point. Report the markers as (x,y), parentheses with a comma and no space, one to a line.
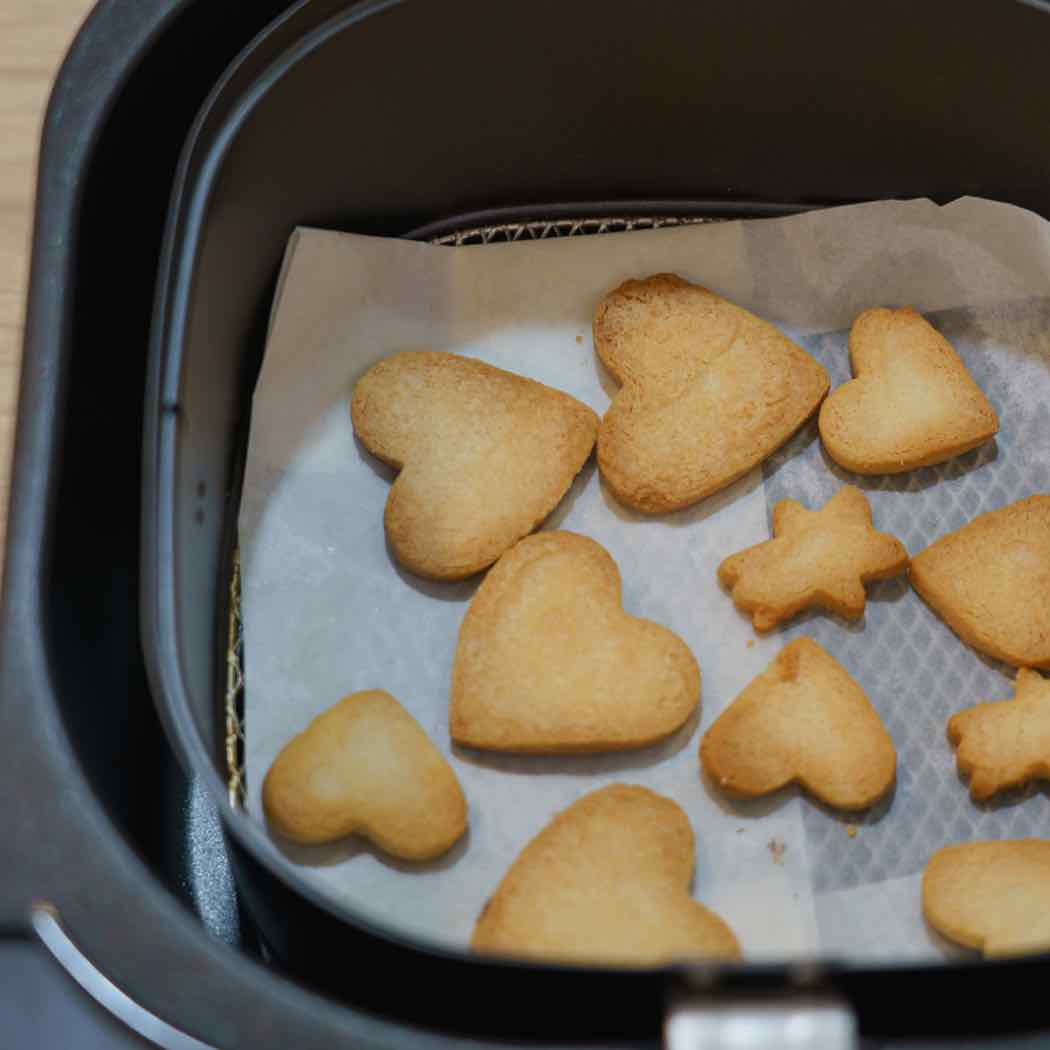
(851,830)
(739,830)
(579,339)
(777,849)
(750,643)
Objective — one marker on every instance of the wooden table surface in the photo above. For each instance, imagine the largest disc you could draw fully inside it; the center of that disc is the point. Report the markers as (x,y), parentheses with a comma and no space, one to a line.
(34,35)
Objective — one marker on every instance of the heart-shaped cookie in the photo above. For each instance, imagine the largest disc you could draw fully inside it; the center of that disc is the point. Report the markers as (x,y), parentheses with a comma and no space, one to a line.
(912,402)
(1006,743)
(485,456)
(709,391)
(548,661)
(992,896)
(990,582)
(804,721)
(366,766)
(607,881)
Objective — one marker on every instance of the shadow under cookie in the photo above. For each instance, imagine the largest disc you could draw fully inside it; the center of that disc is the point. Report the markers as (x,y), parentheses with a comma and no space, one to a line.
(583,765)
(333,854)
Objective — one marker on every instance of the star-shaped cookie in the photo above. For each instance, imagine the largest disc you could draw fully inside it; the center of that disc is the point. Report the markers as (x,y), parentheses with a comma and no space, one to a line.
(1005,743)
(816,558)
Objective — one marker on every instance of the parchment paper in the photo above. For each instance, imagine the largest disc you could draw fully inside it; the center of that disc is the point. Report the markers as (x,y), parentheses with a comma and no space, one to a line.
(327,611)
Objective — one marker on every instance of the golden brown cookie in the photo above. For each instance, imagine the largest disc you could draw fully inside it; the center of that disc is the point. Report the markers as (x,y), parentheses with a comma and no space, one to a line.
(366,766)
(485,456)
(709,391)
(990,582)
(804,721)
(992,896)
(548,661)
(1006,743)
(607,881)
(912,403)
(816,558)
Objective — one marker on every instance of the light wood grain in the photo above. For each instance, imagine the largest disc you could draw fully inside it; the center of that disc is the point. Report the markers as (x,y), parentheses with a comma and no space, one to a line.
(34,36)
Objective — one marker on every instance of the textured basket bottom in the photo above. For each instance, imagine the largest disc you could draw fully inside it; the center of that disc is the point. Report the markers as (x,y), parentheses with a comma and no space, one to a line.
(916,672)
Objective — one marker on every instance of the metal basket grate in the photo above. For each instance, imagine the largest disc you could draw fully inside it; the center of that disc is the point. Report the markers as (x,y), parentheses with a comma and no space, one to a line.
(509,232)
(234,705)
(505,233)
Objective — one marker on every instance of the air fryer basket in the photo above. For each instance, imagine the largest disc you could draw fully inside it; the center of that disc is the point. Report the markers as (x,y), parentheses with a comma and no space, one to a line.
(388,116)
(383,117)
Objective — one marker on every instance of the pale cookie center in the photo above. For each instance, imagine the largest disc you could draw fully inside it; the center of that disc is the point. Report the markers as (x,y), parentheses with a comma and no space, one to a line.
(908,400)
(1025,557)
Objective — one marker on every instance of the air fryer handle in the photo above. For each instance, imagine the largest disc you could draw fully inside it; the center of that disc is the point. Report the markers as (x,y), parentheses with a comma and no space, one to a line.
(48,927)
(805,1017)
(146,961)
(71,879)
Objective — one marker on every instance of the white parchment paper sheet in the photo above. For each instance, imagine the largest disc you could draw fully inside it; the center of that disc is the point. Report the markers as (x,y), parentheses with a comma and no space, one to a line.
(327,611)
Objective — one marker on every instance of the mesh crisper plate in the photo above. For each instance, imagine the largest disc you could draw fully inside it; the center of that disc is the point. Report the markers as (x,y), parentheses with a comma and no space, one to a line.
(542,230)
(537,230)
(914,670)
(234,705)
